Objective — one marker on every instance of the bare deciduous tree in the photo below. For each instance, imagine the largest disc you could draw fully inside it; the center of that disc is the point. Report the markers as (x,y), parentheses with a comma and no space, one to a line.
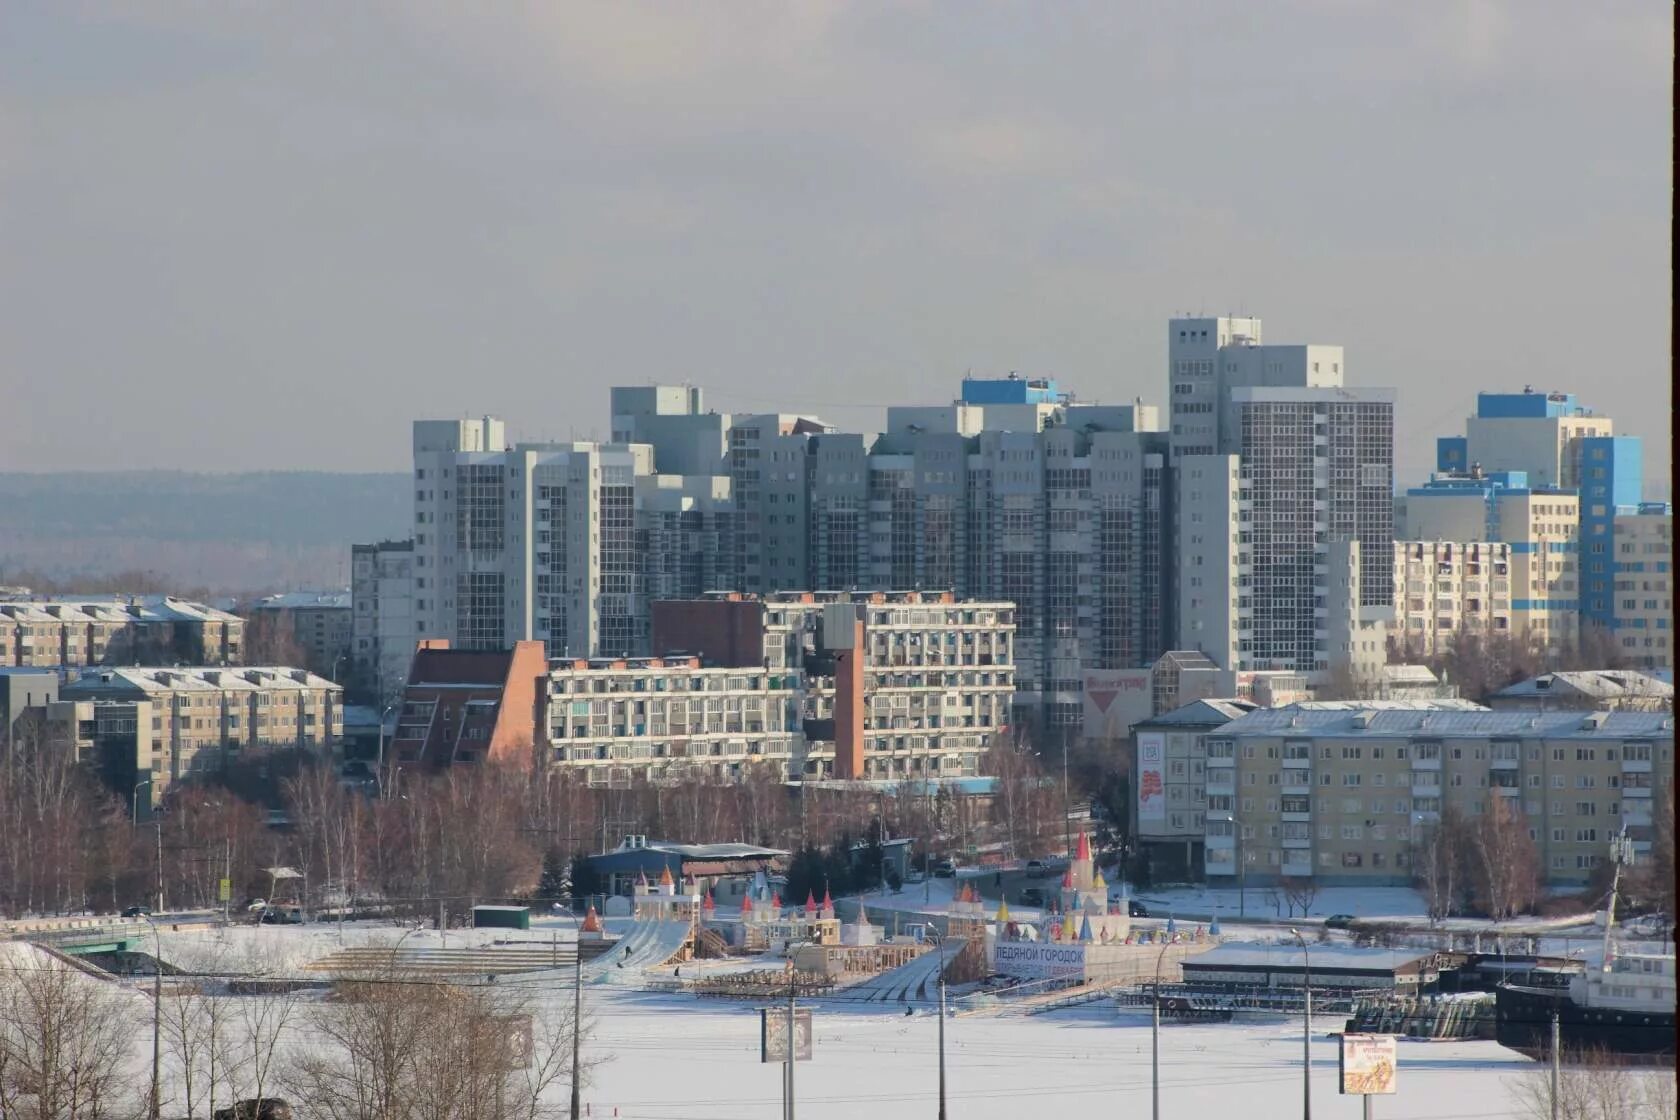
(1595,1086)
(1506,862)
(63,1041)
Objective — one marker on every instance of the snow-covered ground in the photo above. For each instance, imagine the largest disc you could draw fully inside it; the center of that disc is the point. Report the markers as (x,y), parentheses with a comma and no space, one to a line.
(675,1058)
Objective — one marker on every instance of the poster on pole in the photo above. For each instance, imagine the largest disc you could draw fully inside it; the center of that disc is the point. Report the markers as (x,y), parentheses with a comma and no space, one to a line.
(1367,1064)
(772,1034)
(1152,776)
(224,890)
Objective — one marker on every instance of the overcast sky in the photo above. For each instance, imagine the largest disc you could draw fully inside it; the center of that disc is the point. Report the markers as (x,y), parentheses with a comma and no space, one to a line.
(238,235)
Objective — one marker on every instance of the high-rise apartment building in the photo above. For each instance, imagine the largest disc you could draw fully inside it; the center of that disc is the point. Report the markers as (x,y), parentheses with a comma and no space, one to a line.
(383,626)
(1541,525)
(1013,492)
(1447,588)
(1539,434)
(1547,443)
(1644,566)
(561,543)
(1279,468)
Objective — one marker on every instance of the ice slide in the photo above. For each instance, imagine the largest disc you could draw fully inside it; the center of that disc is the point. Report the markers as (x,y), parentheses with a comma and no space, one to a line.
(647,944)
(915,982)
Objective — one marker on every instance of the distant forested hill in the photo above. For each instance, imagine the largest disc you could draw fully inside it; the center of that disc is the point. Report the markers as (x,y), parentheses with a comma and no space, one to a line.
(216,532)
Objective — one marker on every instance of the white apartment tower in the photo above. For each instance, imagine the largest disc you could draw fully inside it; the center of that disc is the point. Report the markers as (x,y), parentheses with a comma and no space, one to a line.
(1273,587)
(533,542)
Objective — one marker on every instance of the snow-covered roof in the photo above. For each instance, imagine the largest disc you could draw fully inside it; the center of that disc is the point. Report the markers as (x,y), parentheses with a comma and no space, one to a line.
(145,608)
(1605,684)
(1369,719)
(241,678)
(304,600)
(1206,713)
(1255,954)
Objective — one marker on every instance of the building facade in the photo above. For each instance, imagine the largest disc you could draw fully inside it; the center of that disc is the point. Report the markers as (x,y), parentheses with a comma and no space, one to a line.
(383,628)
(466,706)
(141,630)
(1344,792)
(1444,589)
(671,718)
(204,718)
(890,686)
(320,622)
(1643,620)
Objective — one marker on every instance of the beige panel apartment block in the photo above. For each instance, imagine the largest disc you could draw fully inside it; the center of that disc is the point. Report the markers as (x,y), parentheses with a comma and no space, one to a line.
(1345,792)
(1644,607)
(1447,588)
(203,718)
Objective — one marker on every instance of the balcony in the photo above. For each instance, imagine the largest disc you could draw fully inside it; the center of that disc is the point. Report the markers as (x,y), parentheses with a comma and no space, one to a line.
(1297,764)
(1221,843)
(1297,842)
(1299,870)
(1636,766)
(1300,818)
(1426,764)
(1221,788)
(1636,791)
(1505,764)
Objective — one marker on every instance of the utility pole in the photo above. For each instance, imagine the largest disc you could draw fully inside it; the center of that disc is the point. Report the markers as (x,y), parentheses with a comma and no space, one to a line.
(577,1019)
(1306,1028)
(942,1115)
(157,819)
(792,1050)
(1557,1062)
(1067,803)
(156,1107)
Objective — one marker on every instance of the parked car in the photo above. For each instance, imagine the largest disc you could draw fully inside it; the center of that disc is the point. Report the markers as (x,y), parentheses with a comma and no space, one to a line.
(945,869)
(256,904)
(1137,909)
(137,912)
(1338,921)
(256,1108)
(1031,896)
(283,916)
(1036,869)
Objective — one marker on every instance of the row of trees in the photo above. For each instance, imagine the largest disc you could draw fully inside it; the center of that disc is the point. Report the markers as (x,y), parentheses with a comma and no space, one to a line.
(384,1045)
(472,832)
(1481,662)
(1489,864)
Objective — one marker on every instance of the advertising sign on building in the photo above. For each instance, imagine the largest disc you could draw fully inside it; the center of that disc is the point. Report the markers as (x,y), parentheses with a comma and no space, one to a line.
(1114,700)
(1152,776)
(773,1031)
(1368,1063)
(1038,960)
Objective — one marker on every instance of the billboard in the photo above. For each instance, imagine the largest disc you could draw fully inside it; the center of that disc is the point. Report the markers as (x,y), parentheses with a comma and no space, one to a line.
(1367,1063)
(1039,960)
(1114,700)
(772,1034)
(1152,776)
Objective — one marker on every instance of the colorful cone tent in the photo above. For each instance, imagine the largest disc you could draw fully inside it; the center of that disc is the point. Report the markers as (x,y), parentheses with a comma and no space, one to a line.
(1085,930)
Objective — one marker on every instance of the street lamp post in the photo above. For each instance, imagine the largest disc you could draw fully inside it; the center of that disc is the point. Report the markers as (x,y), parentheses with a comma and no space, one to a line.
(156,1105)
(942,1115)
(1155,1039)
(1306,1027)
